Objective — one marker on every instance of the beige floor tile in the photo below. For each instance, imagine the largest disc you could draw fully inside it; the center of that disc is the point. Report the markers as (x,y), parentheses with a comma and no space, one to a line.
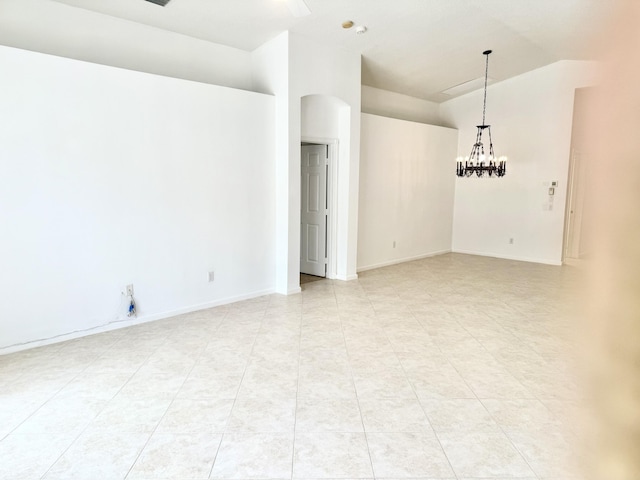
(204,383)
(442,383)
(254,456)
(375,363)
(320,383)
(126,413)
(29,456)
(393,414)
(483,453)
(550,453)
(492,385)
(96,455)
(63,414)
(96,385)
(408,455)
(458,415)
(328,414)
(331,455)
(154,384)
(204,415)
(264,381)
(521,415)
(176,456)
(15,410)
(263,414)
(383,384)
(429,360)
(552,385)
(37,386)
(118,361)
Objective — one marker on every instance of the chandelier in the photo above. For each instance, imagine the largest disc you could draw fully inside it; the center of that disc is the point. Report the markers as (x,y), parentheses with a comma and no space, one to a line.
(478,162)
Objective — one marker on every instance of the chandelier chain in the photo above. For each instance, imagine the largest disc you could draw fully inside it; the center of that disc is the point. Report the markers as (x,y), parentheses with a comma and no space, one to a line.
(486,77)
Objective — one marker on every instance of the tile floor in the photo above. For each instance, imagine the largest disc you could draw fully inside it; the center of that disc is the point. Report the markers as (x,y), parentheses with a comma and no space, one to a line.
(452,367)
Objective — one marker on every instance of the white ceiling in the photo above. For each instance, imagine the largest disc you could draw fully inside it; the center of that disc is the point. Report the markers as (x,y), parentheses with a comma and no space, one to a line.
(414,47)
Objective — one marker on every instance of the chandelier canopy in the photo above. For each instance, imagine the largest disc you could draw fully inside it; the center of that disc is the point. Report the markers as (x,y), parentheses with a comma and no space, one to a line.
(478,162)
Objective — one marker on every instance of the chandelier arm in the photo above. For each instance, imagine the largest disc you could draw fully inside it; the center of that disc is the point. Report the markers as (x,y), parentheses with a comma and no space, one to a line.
(491,154)
(474,151)
(478,145)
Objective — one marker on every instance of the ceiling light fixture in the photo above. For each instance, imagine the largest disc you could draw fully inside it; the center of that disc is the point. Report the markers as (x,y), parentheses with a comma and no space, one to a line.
(475,163)
(347,24)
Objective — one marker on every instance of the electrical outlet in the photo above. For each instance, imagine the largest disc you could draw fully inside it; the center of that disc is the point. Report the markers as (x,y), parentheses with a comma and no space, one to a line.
(210,276)
(511,241)
(129,289)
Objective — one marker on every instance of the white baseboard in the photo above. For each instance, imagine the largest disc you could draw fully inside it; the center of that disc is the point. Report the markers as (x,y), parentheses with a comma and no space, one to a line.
(510,257)
(347,278)
(402,260)
(294,290)
(117,324)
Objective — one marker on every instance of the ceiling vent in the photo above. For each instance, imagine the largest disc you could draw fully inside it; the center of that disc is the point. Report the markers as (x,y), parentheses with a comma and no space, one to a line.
(162,3)
(466,87)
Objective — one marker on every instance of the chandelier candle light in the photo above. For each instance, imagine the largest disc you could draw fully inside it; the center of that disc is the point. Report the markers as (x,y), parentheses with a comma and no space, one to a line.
(475,163)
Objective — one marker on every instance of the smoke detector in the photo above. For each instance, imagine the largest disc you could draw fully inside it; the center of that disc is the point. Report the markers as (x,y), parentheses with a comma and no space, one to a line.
(162,3)
(361,29)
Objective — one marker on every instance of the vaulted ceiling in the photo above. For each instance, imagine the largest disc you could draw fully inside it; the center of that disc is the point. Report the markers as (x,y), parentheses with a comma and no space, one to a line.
(415,47)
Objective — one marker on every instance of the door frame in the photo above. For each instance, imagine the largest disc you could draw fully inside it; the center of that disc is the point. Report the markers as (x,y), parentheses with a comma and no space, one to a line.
(332,200)
(577,179)
(570,223)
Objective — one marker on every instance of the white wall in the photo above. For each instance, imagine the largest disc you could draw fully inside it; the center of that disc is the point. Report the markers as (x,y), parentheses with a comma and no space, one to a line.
(396,105)
(320,117)
(292,67)
(270,75)
(326,120)
(321,70)
(39,25)
(531,118)
(406,191)
(111,177)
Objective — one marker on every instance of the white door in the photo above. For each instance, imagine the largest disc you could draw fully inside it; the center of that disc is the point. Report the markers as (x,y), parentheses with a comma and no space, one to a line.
(313,214)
